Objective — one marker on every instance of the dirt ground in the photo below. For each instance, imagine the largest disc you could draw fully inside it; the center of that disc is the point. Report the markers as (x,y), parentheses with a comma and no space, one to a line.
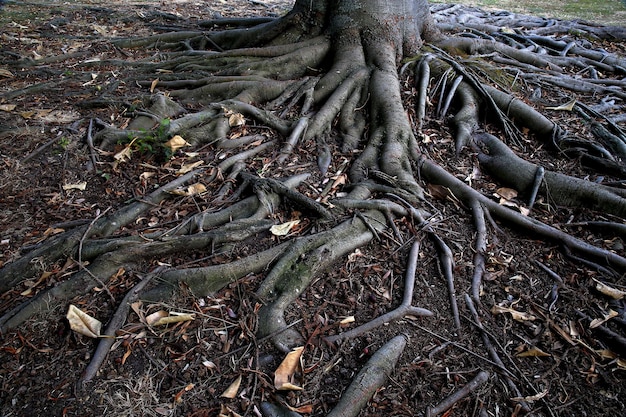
(559,365)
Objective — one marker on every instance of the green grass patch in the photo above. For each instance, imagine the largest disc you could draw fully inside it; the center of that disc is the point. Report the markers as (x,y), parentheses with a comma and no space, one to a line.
(607,12)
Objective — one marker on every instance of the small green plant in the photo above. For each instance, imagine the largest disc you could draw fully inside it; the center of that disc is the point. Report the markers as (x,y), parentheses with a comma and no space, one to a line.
(105,175)
(151,142)
(64,142)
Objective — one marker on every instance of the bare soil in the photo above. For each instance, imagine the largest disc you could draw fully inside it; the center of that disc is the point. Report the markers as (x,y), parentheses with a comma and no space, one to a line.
(183,370)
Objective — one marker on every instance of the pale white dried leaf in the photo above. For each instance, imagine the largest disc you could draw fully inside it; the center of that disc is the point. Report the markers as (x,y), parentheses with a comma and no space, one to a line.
(231,391)
(153,85)
(124,154)
(151,319)
(7,107)
(209,365)
(102,30)
(283,228)
(196,188)
(569,106)
(609,291)
(82,322)
(146,174)
(137,308)
(78,186)
(236,119)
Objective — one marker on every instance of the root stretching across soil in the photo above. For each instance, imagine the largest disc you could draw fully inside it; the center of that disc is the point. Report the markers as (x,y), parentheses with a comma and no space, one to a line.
(453,182)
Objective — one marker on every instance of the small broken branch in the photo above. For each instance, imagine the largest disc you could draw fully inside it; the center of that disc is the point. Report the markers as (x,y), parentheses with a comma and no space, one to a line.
(492,352)
(470,387)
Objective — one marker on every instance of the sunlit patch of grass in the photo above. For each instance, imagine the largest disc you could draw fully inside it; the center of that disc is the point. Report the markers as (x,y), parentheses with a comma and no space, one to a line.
(608,12)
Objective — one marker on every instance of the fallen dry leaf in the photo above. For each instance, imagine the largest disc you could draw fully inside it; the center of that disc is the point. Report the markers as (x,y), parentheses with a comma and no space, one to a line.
(82,322)
(284,374)
(236,119)
(533,352)
(569,106)
(196,188)
(78,186)
(124,154)
(161,318)
(153,85)
(347,320)
(31,285)
(283,228)
(193,189)
(178,398)
(530,398)
(517,315)
(187,168)
(599,322)
(176,143)
(231,391)
(609,291)
(227,412)
(7,107)
(439,192)
(506,193)
(156,316)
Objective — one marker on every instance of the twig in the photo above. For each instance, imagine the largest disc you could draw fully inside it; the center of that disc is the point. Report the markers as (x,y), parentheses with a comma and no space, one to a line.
(80,253)
(492,352)
(554,293)
(261,340)
(39,150)
(458,395)
(463,348)
(403,309)
(367,224)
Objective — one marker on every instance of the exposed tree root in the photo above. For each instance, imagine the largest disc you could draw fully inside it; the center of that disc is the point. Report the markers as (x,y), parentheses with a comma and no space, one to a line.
(334,84)
(400,312)
(370,378)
